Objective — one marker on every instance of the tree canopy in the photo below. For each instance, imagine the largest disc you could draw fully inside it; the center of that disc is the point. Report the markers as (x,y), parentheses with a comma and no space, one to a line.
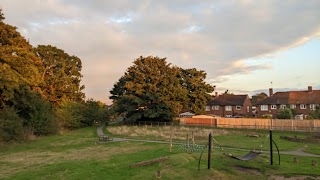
(61,74)
(153,89)
(32,80)
(197,89)
(258,97)
(18,64)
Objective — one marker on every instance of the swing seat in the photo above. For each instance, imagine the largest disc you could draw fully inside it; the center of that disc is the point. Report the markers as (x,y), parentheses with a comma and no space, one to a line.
(247,157)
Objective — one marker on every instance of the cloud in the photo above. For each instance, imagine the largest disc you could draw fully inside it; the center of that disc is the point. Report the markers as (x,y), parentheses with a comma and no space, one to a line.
(215,36)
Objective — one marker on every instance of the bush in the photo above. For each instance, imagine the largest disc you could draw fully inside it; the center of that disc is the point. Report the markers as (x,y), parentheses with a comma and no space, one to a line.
(315,114)
(267,116)
(95,111)
(37,113)
(284,114)
(70,114)
(11,128)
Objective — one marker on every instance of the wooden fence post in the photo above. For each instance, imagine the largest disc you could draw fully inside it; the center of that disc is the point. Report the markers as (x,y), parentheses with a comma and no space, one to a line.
(170,138)
(192,139)
(188,140)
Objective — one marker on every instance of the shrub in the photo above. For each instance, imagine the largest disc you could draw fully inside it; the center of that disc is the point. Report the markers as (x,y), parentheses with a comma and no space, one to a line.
(284,114)
(37,113)
(267,116)
(11,128)
(70,114)
(95,111)
(315,114)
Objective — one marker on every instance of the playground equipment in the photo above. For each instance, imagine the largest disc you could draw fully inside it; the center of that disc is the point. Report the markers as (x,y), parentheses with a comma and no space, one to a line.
(249,156)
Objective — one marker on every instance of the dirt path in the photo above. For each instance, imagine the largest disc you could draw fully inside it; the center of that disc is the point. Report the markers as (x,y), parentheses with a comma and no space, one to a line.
(299,152)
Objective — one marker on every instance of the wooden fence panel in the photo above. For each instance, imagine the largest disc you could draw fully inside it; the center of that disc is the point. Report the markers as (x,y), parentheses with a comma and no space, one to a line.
(255,123)
(201,122)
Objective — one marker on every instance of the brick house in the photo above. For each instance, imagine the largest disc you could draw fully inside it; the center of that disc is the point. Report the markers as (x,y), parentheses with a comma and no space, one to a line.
(229,105)
(303,102)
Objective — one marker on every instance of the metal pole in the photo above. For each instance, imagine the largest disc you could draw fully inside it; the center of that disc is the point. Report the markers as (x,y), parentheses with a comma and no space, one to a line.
(271,152)
(209,151)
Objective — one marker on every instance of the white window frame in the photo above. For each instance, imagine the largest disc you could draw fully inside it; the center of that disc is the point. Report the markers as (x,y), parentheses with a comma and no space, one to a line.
(264,107)
(313,106)
(303,106)
(283,106)
(228,108)
(248,109)
(238,108)
(207,108)
(273,106)
(293,106)
(215,107)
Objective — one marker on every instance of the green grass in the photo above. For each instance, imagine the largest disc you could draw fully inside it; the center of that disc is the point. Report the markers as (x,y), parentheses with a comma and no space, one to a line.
(77,155)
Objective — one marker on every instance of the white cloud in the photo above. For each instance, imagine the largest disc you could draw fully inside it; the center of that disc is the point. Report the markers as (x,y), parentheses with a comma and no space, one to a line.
(215,36)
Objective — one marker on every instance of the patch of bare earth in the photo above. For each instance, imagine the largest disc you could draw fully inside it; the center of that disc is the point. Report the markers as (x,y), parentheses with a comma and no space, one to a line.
(248,170)
(277,177)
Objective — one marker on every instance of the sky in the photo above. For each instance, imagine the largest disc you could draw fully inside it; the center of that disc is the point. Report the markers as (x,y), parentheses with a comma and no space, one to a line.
(244,46)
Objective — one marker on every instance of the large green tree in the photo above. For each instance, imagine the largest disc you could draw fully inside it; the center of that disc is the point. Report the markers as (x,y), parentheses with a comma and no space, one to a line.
(197,89)
(18,63)
(153,89)
(149,90)
(61,74)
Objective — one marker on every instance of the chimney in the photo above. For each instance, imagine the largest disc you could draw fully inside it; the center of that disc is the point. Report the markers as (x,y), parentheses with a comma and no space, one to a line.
(309,89)
(270,91)
(216,94)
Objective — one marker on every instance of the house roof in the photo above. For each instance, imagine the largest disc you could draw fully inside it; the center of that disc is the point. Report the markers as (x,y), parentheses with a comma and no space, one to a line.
(293,97)
(228,100)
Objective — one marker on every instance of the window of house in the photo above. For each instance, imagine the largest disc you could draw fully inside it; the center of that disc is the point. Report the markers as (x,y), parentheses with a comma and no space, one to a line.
(292,106)
(248,108)
(273,106)
(313,106)
(207,108)
(216,107)
(238,107)
(228,108)
(283,106)
(264,107)
(303,106)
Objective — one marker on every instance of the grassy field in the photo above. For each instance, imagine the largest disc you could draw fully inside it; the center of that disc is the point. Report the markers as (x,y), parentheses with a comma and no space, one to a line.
(78,155)
(235,138)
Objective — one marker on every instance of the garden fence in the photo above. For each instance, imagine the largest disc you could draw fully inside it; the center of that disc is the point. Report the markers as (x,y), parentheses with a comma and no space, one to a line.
(239,123)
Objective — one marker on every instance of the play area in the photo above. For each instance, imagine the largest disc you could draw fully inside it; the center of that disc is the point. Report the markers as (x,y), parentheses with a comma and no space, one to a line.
(241,148)
(164,152)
